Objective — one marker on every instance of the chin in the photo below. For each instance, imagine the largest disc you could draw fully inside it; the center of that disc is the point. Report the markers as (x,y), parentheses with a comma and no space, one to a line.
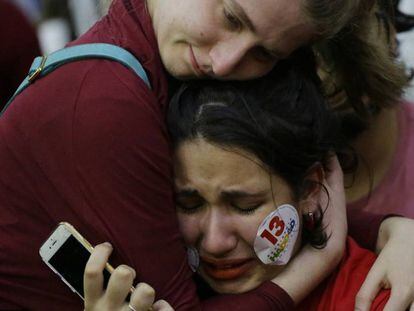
(180,74)
(176,68)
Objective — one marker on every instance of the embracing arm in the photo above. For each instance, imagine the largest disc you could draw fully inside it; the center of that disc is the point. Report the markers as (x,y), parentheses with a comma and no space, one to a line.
(308,261)
(394,267)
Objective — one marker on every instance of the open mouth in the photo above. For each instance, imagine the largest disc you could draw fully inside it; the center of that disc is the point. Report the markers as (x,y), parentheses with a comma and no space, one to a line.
(226,269)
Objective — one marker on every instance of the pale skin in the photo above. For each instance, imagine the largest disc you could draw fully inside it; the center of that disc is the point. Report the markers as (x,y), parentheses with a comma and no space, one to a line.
(211,38)
(227,39)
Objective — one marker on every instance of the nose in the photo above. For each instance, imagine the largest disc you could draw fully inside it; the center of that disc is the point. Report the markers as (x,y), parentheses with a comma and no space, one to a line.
(227,55)
(218,237)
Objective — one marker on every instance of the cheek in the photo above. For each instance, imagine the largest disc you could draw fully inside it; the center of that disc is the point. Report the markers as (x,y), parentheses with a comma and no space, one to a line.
(189,228)
(250,224)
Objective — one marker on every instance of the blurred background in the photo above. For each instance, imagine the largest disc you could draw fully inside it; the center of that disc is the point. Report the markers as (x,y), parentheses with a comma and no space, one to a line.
(29,28)
(60,21)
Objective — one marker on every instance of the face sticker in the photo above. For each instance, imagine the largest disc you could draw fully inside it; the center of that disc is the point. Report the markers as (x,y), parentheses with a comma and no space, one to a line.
(277,236)
(193,258)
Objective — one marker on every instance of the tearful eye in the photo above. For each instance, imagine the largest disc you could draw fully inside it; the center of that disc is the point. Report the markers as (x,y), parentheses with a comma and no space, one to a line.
(189,206)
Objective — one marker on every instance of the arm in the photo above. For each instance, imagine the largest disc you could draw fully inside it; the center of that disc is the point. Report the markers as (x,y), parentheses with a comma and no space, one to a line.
(309,261)
(394,267)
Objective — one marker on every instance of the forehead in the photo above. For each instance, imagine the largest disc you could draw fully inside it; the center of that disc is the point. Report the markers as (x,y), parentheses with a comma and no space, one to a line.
(270,12)
(211,170)
(199,162)
(279,23)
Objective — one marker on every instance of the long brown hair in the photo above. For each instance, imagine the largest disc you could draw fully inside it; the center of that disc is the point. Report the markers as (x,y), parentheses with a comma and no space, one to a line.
(356,54)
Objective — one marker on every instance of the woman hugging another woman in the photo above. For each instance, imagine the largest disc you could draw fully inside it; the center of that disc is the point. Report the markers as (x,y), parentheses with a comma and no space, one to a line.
(251,160)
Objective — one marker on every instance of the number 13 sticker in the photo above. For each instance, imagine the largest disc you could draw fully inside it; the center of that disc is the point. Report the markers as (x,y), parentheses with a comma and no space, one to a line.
(277,235)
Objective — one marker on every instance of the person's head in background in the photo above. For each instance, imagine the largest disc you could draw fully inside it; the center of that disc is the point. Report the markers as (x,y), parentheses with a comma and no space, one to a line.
(241,150)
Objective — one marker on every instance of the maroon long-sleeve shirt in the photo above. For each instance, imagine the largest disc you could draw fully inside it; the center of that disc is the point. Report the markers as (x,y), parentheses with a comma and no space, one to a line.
(87,144)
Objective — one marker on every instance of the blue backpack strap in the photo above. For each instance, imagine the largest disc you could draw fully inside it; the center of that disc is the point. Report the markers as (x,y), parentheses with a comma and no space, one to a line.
(43,65)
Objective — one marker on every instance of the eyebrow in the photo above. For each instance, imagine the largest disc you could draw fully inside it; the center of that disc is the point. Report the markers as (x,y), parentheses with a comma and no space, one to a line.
(187,192)
(225,195)
(238,194)
(241,14)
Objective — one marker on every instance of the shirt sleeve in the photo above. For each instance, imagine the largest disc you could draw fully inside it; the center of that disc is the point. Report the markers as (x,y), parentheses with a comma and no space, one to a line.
(268,296)
(364,227)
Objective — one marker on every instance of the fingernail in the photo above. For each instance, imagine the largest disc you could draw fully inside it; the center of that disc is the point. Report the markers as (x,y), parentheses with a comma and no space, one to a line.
(107,244)
(130,269)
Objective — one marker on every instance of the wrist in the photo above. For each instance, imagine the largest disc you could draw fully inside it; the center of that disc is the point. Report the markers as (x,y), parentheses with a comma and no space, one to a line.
(392,227)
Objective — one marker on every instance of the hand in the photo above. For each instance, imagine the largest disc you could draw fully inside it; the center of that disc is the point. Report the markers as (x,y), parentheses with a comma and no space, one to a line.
(317,264)
(119,285)
(394,267)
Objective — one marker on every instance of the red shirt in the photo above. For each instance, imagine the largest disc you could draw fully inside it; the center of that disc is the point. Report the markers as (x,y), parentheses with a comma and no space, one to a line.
(19,46)
(88,144)
(338,292)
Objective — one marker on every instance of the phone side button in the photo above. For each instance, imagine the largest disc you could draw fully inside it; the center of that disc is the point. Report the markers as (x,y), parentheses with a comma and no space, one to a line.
(67,283)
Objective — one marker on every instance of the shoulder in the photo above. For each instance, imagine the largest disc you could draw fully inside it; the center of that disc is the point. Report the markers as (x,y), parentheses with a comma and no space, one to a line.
(91,99)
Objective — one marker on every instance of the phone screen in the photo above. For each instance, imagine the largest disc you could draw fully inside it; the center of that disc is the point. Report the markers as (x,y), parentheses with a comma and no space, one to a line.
(70,261)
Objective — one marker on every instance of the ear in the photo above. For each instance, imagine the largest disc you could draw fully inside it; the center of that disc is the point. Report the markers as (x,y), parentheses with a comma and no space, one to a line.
(311,189)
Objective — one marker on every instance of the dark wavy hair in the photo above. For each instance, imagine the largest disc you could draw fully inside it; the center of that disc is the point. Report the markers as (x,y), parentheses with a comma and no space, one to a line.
(282,119)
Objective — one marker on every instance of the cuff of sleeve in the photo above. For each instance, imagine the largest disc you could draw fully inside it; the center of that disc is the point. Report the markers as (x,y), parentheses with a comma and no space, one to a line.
(276,295)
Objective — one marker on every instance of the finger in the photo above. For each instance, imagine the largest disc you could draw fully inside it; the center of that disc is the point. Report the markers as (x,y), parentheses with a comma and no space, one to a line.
(162,305)
(119,286)
(400,299)
(143,297)
(412,307)
(93,277)
(369,289)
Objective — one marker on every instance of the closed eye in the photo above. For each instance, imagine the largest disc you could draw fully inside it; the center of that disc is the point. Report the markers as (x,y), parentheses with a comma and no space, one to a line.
(246,209)
(232,21)
(189,205)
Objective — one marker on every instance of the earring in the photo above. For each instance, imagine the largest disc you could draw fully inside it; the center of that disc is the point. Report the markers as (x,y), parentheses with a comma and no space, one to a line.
(309,221)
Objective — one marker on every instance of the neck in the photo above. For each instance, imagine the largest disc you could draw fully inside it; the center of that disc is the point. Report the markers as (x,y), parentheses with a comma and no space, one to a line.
(375,149)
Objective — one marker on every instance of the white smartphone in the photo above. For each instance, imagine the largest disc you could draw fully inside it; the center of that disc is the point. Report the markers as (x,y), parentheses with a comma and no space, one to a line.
(66,252)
